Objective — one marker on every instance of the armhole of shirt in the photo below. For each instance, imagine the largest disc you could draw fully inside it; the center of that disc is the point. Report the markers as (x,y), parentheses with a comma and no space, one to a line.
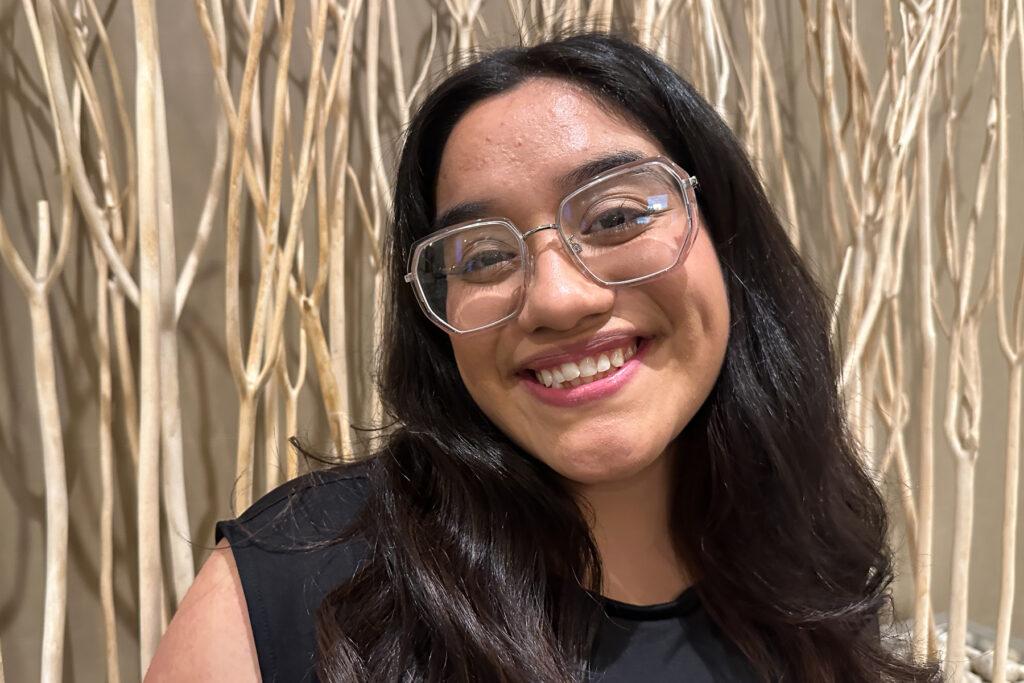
(252,587)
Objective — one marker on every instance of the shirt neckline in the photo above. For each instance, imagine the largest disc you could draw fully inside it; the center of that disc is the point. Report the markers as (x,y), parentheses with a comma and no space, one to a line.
(686,602)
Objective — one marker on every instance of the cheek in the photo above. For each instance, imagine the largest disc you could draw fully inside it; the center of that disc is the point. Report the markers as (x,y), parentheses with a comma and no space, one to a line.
(709,298)
(475,359)
(693,295)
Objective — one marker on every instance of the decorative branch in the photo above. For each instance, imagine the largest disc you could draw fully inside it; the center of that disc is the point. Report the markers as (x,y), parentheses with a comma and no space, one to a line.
(35,286)
(1001,43)
(71,143)
(106,451)
(152,222)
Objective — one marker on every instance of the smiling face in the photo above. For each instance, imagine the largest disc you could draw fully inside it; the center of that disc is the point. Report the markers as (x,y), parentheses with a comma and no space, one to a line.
(657,347)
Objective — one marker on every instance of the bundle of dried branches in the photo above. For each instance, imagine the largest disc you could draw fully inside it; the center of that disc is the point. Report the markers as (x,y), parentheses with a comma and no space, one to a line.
(315,204)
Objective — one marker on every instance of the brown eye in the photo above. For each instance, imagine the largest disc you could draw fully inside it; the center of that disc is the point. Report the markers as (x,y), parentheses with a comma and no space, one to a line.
(616,219)
(488,264)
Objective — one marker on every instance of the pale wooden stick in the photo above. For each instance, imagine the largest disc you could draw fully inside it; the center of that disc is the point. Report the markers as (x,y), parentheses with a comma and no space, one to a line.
(271,432)
(372,47)
(149,187)
(893,374)
(106,448)
(814,52)
(173,497)
(379,186)
(243,467)
(264,336)
(213,31)
(792,223)
(464,17)
(715,45)
(1011,486)
(904,477)
(891,401)
(955,661)
(113,199)
(256,126)
(1001,49)
(904,127)
(643,21)
(125,373)
(963,439)
(333,394)
(519,19)
(600,13)
(330,273)
(366,221)
(111,191)
(94,217)
(926,457)
(293,389)
(35,287)
(272,219)
(337,325)
(305,172)
(844,272)
(124,122)
(104,291)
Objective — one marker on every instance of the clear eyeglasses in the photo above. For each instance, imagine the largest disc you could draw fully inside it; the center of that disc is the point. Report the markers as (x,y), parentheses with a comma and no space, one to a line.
(622,227)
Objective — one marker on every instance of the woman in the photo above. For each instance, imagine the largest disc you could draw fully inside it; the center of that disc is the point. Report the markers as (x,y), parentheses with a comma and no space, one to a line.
(621,453)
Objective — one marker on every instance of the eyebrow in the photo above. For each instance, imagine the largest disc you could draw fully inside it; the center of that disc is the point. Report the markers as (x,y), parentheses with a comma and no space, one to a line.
(472,210)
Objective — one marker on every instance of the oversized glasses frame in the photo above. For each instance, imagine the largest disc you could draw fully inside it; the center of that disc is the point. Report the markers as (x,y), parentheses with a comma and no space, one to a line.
(685,182)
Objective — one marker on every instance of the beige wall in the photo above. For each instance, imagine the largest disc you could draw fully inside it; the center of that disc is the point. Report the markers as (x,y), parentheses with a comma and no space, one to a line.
(27,172)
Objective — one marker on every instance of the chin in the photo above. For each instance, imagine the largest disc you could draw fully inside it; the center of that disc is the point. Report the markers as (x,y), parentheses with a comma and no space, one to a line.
(588,466)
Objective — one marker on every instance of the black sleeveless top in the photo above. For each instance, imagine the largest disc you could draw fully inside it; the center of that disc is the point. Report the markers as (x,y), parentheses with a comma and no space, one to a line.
(283,585)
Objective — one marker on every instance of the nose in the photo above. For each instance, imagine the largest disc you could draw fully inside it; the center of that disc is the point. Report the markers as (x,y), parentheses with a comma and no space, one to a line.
(560,296)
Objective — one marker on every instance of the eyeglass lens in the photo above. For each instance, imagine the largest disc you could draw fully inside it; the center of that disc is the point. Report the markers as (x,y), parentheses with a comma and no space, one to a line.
(626,227)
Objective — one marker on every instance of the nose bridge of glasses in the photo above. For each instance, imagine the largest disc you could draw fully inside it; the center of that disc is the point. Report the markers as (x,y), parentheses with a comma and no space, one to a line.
(550,226)
(532,231)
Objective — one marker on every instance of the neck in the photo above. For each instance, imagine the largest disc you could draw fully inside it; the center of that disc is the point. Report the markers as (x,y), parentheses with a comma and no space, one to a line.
(631,524)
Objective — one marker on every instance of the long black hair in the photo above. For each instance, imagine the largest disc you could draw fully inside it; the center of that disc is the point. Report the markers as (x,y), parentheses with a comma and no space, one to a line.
(478,556)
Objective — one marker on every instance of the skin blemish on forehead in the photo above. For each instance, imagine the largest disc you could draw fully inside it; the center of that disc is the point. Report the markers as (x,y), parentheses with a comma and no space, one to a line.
(538,124)
(565,110)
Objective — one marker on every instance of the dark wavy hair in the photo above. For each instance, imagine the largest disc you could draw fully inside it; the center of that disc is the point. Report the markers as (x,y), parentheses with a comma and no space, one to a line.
(477,555)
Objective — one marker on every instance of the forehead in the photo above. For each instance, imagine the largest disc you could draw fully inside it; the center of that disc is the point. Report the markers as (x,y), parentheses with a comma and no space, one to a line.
(519,141)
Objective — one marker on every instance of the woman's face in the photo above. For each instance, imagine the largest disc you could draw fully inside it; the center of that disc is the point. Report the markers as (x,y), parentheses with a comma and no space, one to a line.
(509,153)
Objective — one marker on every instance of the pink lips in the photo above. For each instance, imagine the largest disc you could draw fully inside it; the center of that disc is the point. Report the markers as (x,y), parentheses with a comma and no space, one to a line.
(587,392)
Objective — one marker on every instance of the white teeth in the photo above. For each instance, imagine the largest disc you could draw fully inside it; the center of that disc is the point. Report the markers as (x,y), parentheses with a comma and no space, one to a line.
(586,370)
(570,371)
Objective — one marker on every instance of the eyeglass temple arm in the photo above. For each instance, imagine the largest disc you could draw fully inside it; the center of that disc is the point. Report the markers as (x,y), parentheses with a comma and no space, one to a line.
(409,277)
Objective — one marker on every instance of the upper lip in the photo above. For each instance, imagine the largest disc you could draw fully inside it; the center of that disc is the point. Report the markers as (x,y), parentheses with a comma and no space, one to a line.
(574,351)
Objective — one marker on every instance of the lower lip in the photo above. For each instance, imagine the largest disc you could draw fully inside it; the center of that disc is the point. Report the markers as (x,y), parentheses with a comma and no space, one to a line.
(593,391)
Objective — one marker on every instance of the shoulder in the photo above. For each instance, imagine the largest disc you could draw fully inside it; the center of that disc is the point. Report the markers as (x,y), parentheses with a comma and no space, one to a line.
(251,610)
(209,638)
